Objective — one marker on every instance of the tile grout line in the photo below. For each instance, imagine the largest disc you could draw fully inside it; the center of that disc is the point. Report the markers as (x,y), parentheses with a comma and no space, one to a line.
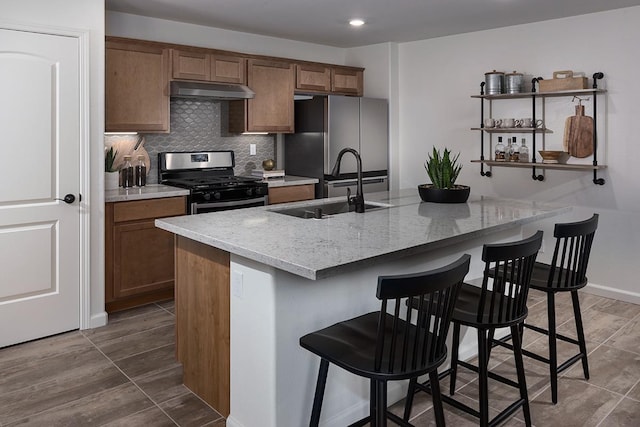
(136,385)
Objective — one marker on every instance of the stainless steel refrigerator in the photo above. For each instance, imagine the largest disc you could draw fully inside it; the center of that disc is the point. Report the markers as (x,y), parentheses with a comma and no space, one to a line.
(325,125)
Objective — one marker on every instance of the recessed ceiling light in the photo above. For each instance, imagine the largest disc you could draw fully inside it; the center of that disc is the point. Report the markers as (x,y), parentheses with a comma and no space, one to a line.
(356,22)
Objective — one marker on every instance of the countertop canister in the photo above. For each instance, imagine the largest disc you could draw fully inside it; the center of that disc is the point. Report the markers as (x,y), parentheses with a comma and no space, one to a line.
(494,82)
(513,82)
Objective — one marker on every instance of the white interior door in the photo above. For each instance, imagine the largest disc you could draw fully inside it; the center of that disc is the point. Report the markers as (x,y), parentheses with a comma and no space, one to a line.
(39,163)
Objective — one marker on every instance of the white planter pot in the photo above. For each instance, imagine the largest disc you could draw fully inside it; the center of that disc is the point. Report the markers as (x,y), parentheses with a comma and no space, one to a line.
(111,180)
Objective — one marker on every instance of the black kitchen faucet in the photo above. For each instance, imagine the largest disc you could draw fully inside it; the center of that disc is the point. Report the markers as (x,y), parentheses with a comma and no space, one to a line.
(358,199)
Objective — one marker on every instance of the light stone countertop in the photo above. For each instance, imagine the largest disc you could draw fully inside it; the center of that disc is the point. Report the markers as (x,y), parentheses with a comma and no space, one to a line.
(151,191)
(316,249)
(290,180)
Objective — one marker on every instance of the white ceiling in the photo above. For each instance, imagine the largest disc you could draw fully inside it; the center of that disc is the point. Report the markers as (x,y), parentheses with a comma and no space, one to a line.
(326,21)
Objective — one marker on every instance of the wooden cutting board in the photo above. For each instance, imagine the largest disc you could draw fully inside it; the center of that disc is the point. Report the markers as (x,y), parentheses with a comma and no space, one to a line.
(578,134)
(125,146)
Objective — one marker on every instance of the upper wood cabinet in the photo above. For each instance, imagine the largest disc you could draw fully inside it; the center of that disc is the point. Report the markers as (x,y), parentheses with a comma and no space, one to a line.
(320,78)
(208,67)
(136,87)
(347,81)
(313,78)
(271,110)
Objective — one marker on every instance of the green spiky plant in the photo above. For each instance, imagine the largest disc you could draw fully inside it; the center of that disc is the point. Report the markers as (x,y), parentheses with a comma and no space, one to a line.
(442,169)
(109,159)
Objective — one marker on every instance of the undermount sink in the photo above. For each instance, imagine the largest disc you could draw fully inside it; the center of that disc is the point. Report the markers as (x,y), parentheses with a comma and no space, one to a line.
(323,210)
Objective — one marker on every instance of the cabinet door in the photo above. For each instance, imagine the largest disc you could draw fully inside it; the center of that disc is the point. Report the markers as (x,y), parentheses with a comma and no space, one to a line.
(136,88)
(191,65)
(292,193)
(228,69)
(316,78)
(346,81)
(143,259)
(272,108)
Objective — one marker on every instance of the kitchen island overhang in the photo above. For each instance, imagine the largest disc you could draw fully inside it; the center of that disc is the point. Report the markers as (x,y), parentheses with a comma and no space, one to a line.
(281,285)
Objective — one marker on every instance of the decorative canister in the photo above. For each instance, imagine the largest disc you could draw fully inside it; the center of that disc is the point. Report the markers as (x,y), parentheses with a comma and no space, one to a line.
(513,82)
(494,82)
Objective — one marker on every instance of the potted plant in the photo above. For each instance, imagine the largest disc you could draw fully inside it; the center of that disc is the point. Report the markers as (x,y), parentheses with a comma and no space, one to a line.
(111,176)
(443,170)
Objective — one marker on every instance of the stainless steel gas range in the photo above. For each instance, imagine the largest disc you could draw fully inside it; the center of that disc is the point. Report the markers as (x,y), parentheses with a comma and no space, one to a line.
(209,177)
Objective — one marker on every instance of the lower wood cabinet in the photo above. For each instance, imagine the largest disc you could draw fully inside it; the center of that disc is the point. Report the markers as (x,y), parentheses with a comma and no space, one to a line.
(293,193)
(139,265)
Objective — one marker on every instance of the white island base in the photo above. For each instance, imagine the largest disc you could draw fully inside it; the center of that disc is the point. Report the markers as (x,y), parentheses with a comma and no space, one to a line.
(272,378)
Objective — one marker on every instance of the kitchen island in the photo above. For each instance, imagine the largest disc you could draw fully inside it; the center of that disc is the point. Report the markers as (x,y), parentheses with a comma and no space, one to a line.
(251,282)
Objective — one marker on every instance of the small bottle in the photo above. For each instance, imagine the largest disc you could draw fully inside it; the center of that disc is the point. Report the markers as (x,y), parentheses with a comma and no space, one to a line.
(514,152)
(524,152)
(140,172)
(126,173)
(508,150)
(499,151)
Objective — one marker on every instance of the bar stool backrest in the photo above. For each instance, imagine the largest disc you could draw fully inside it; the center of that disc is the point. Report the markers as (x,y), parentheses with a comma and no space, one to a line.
(401,349)
(508,268)
(571,254)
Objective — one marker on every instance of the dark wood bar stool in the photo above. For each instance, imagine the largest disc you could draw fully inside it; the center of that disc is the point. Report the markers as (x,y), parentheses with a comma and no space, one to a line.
(499,303)
(566,273)
(386,346)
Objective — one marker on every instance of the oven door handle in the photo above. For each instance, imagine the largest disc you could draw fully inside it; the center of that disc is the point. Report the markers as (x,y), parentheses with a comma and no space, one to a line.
(195,206)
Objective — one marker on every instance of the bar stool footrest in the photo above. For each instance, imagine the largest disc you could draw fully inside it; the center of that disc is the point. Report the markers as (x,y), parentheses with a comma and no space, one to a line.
(506,413)
(490,374)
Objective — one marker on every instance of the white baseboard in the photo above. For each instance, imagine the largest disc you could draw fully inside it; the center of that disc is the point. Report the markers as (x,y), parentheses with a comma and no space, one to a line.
(608,292)
(98,320)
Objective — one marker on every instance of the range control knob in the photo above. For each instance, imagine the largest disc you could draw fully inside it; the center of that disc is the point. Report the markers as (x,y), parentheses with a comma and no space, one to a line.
(217,195)
(206,196)
(249,191)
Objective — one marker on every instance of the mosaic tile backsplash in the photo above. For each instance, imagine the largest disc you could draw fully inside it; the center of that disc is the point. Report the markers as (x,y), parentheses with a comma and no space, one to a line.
(201,125)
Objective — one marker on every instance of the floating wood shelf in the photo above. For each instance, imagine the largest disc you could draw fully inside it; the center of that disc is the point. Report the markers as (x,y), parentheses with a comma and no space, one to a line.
(562,166)
(540,94)
(515,130)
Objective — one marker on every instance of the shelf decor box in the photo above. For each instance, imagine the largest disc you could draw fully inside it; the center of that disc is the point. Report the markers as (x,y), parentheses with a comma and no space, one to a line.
(568,82)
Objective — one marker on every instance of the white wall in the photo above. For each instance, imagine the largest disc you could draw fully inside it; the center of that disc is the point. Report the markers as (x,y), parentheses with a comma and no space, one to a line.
(145,28)
(79,15)
(438,76)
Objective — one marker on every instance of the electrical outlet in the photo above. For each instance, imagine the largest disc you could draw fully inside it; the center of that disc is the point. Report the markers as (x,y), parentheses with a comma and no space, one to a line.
(252,149)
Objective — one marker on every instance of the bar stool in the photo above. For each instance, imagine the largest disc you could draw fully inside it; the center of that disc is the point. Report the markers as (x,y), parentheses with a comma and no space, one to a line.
(566,273)
(499,303)
(386,346)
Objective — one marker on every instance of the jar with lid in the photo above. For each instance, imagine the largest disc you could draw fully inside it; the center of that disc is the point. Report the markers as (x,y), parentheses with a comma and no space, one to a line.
(513,82)
(126,173)
(514,151)
(494,82)
(499,153)
(523,156)
(140,172)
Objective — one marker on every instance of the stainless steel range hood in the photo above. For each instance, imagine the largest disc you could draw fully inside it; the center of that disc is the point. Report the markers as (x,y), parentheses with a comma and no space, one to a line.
(210,90)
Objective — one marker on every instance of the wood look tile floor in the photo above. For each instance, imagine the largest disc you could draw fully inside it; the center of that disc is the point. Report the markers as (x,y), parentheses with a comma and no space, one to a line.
(610,398)
(125,374)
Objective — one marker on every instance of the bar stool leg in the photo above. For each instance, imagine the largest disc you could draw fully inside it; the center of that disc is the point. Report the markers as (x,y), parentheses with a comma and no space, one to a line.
(455,342)
(437,398)
(381,404)
(408,404)
(583,346)
(553,351)
(483,378)
(317,399)
(522,382)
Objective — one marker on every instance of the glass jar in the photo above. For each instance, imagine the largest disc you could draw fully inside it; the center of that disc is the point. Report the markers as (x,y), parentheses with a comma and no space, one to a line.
(514,151)
(524,152)
(126,173)
(140,172)
(499,154)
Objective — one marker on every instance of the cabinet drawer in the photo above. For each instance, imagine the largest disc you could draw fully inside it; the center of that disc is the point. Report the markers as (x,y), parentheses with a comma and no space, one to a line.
(150,208)
(293,193)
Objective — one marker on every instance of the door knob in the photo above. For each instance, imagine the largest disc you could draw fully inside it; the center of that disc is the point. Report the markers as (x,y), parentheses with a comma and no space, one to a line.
(69,198)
